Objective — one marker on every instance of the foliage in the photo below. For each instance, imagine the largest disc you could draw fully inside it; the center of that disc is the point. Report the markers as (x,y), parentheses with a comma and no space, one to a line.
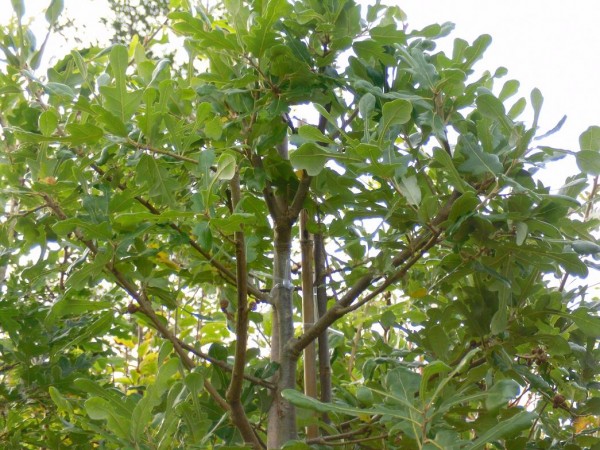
(151,271)
(132,18)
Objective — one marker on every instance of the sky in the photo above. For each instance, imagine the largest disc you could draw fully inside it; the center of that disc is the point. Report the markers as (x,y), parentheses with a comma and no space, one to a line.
(543,43)
(553,45)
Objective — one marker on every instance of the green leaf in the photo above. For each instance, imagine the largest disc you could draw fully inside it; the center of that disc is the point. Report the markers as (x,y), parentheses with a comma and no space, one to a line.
(48,122)
(112,123)
(142,413)
(403,384)
(387,34)
(226,165)
(366,105)
(54,10)
(313,134)
(97,408)
(505,427)
(61,402)
(156,178)
(302,401)
(112,396)
(98,327)
(205,238)
(80,63)
(232,223)
(500,393)
(85,133)
(409,187)
(536,101)
(491,107)
(431,369)
(160,68)
(262,37)
(424,72)
(117,99)
(588,324)
(59,89)
(18,7)
(475,51)
(372,52)
(75,306)
(516,109)
(296,445)
(213,128)
(310,157)
(588,161)
(589,140)
(90,230)
(585,247)
(521,232)
(478,162)
(396,112)
(456,180)
(509,89)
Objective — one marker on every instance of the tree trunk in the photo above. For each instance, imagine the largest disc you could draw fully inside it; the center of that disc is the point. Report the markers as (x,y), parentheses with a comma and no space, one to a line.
(282,415)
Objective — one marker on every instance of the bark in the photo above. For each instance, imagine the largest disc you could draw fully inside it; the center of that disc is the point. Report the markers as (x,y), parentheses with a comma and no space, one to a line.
(234,393)
(320,282)
(282,415)
(308,316)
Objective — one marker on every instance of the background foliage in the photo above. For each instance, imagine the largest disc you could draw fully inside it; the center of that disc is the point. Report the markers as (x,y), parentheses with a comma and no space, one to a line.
(145,201)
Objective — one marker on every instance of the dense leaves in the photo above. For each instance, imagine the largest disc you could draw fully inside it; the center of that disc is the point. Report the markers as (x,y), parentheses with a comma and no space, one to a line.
(151,275)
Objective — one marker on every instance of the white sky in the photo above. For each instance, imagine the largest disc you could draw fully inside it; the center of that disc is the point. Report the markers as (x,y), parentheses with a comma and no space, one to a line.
(553,45)
(543,43)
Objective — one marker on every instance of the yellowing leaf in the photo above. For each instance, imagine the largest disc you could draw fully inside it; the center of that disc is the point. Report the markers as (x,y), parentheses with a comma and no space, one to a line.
(580,423)
(418,293)
(163,258)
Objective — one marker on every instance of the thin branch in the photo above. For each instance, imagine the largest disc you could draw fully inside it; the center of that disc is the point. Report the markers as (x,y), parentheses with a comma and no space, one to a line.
(268,193)
(236,384)
(344,124)
(300,196)
(161,151)
(145,306)
(339,309)
(224,366)
(323,340)
(227,275)
(308,315)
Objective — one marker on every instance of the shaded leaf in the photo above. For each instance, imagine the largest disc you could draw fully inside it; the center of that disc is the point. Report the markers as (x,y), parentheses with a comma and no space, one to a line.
(505,427)
(478,162)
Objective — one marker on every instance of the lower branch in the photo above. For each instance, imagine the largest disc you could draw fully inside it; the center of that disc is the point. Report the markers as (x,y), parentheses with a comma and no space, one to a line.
(234,392)
(308,315)
(323,340)
(425,240)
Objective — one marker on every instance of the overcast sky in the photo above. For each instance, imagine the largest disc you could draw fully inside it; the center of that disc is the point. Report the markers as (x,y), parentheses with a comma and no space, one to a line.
(553,45)
(543,43)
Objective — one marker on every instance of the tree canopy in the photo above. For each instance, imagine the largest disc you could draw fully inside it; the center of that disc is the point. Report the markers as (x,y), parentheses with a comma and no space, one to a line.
(318,231)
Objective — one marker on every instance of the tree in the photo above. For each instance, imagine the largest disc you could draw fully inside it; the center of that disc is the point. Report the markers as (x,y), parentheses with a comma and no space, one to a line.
(136,18)
(167,234)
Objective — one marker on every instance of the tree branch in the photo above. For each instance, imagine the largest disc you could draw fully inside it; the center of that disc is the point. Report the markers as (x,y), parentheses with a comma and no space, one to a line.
(300,196)
(234,392)
(227,275)
(339,309)
(323,340)
(145,306)
(308,315)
